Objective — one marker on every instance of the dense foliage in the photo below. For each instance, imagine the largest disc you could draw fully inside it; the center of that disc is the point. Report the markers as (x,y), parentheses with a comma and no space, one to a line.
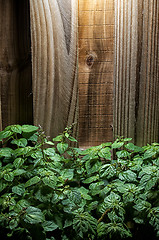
(52,191)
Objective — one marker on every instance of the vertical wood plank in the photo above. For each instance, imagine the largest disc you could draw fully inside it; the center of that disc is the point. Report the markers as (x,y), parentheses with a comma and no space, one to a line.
(54,61)
(96,37)
(15,63)
(148,111)
(136,70)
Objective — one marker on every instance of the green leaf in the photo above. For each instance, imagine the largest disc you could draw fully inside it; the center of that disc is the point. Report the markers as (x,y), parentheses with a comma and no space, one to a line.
(68,223)
(9,176)
(128,176)
(117,144)
(132,147)
(123,154)
(50,181)
(105,153)
(96,187)
(67,174)
(84,193)
(18,162)
(49,143)
(29,128)
(50,151)
(72,139)
(58,138)
(33,215)
(19,189)
(91,179)
(32,181)
(2,185)
(49,226)
(5,134)
(62,147)
(6,152)
(16,129)
(13,223)
(18,172)
(127,139)
(22,142)
(108,171)
(149,153)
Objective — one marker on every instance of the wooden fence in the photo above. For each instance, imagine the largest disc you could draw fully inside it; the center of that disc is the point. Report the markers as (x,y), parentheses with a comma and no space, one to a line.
(93,62)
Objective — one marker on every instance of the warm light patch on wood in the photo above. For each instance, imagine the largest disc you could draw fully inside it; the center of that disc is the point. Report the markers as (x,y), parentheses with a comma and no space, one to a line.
(96,53)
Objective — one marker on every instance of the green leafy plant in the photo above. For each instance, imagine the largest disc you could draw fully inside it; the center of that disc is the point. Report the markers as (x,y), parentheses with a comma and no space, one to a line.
(50,190)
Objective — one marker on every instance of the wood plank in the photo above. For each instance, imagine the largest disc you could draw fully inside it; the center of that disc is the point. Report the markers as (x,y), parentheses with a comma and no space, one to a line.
(15,63)
(54,57)
(99,5)
(96,34)
(136,100)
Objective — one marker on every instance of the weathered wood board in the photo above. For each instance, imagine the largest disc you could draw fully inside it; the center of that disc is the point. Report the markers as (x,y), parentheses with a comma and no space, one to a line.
(54,62)
(96,54)
(136,74)
(15,63)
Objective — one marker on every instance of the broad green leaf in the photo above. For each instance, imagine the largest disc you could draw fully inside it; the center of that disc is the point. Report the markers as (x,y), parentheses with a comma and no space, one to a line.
(5,134)
(105,153)
(50,181)
(142,205)
(31,137)
(128,176)
(62,147)
(22,151)
(96,187)
(149,153)
(18,172)
(29,128)
(123,154)
(6,152)
(18,162)
(22,142)
(108,171)
(132,147)
(32,181)
(49,226)
(92,206)
(19,189)
(21,205)
(91,179)
(67,174)
(68,223)
(9,176)
(117,144)
(84,193)
(33,215)
(58,138)
(50,151)
(16,129)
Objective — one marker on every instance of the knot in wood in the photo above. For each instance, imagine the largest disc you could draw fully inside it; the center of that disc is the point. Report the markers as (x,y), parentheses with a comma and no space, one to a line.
(90,60)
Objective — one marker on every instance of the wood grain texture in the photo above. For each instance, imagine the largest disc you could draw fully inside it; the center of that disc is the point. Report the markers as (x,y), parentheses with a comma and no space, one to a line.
(136,112)
(15,63)
(96,54)
(54,61)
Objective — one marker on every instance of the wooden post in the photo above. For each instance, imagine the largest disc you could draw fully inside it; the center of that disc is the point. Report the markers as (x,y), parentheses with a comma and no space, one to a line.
(54,62)
(136,84)
(96,45)
(15,63)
